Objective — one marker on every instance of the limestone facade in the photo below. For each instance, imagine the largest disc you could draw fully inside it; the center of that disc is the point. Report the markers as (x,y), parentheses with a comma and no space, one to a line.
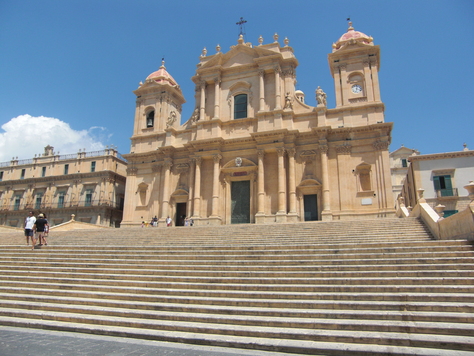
(253,151)
(90,185)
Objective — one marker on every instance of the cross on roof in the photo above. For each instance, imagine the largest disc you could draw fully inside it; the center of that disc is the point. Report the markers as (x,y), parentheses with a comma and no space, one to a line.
(241,23)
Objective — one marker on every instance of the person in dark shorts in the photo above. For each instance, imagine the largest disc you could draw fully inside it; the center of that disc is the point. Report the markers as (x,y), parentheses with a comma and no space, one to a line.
(28,226)
(39,228)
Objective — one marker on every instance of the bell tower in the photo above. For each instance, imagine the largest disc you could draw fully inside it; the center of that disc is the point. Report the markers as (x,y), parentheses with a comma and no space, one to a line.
(354,64)
(158,105)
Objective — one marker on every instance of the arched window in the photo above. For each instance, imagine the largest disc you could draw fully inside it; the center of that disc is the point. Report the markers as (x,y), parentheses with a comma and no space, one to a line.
(240,106)
(150,119)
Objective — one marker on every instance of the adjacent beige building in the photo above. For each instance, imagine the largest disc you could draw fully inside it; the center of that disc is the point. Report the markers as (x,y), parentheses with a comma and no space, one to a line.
(441,179)
(399,168)
(253,151)
(90,185)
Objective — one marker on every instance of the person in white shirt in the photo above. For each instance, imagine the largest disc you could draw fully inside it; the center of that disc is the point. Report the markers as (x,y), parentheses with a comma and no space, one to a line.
(29,223)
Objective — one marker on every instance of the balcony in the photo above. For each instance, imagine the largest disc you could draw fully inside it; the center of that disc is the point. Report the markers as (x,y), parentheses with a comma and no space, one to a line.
(447,193)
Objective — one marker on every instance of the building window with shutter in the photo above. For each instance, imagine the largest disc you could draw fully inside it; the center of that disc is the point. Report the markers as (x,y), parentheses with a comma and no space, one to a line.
(443,185)
(240,106)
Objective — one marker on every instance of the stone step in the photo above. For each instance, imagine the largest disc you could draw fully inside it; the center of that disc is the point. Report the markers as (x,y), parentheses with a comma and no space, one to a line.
(155,280)
(395,338)
(19,308)
(257,263)
(132,267)
(123,272)
(169,280)
(11,300)
(376,287)
(282,345)
(267,249)
(449,300)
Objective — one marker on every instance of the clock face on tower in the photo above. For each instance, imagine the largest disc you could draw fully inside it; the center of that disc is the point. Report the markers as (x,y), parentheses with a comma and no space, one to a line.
(356,89)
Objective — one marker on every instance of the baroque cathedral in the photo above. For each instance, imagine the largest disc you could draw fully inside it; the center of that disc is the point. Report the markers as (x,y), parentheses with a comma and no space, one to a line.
(253,151)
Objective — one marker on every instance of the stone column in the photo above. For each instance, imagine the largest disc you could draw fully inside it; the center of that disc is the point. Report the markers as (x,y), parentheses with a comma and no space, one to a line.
(167,164)
(189,207)
(337,84)
(197,189)
(323,148)
(202,106)
(277,89)
(292,180)
(261,183)
(375,82)
(345,88)
(368,79)
(281,182)
(217,92)
(130,201)
(261,74)
(215,186)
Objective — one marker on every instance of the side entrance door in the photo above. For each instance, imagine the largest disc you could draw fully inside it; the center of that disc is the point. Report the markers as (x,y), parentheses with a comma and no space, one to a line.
(240,202)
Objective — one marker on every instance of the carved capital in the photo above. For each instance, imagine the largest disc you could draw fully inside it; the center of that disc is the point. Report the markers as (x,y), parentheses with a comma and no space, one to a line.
(156,167)
(261,153)
(381,145)
(324,148)
(344,149)
(217,158)
(291,152)
(281,151)
(168,163)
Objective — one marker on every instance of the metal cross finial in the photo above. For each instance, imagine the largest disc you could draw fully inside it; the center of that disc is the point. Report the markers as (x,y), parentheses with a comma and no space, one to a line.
(240,23)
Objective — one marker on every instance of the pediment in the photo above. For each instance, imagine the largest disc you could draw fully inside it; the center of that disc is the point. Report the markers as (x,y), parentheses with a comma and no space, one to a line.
(239,59)
(236,163)
(309,183)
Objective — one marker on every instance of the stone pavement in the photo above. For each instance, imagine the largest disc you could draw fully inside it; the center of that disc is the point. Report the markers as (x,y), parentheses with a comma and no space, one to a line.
(37,342)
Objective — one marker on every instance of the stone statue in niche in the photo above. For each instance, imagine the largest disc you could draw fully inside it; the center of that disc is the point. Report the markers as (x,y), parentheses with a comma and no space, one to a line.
(288,103)
(195,116)
(171,119)
(321,97)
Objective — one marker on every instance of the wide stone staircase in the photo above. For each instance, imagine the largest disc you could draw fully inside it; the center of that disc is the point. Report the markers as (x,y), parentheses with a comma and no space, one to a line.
(371,287)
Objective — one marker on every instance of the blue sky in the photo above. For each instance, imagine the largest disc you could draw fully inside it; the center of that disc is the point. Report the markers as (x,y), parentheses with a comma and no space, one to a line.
(71,65)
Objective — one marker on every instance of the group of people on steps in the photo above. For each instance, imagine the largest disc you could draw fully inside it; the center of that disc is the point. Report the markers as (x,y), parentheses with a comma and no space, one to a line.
(37,229)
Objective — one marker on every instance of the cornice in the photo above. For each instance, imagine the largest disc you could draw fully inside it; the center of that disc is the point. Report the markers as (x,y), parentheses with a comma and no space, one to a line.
(445,155)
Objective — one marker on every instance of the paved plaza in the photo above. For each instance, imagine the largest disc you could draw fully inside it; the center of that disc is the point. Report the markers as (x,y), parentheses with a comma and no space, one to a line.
(36,342)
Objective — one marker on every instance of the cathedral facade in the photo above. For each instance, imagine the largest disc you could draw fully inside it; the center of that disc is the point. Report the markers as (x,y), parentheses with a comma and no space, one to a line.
(253,151)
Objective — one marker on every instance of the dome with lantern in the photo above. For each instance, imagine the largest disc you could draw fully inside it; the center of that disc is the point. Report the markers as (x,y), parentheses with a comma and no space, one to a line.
(352,37)
(161,76)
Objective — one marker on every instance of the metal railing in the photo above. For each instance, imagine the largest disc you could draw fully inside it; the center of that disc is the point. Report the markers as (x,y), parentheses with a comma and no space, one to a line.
(57,205)
(66,157)
(453,192)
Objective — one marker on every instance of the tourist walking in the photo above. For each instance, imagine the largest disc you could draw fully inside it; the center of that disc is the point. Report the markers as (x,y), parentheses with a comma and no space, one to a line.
(168,221)
(38,229)
(46,232)
(28,226)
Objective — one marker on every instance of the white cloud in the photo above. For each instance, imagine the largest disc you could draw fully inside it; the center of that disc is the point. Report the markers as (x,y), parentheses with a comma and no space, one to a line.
(26,136)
